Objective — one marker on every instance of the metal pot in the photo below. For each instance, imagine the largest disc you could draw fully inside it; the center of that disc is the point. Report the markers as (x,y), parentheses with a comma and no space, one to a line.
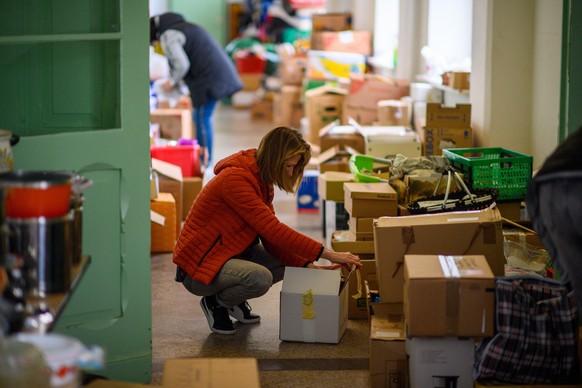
(45,246)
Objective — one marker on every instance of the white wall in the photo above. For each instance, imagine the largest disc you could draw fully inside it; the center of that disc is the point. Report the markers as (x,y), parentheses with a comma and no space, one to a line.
(546,78)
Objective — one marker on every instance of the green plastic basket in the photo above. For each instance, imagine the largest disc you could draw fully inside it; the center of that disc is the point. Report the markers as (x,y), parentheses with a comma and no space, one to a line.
(493,168)
(362,167)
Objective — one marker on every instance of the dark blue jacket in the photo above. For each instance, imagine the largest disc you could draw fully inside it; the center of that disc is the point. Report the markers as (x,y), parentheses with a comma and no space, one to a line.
(212,73)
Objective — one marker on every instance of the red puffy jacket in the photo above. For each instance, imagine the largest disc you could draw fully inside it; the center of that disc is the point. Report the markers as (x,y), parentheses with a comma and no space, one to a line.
(231,211)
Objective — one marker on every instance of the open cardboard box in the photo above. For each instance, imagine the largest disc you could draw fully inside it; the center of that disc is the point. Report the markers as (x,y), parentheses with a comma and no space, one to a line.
(314,305)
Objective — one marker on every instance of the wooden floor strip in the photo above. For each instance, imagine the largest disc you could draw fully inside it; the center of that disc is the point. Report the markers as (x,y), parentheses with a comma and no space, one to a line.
(281,364)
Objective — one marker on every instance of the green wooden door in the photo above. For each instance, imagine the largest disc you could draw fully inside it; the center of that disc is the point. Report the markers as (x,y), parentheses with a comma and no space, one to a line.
(571,95)
(74,86)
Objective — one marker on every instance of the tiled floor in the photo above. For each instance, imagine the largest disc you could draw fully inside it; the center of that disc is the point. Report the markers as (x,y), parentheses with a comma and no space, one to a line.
(180,329)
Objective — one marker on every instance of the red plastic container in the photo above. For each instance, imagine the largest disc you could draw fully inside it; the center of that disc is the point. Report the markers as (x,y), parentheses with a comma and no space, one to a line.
(250,64)
(185,156)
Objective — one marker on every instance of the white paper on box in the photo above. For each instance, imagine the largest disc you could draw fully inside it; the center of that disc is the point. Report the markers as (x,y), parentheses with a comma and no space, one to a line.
(157,218)
(168,169)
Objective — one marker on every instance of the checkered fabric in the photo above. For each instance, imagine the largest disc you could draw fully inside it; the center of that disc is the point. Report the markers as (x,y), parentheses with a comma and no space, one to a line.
(536,338)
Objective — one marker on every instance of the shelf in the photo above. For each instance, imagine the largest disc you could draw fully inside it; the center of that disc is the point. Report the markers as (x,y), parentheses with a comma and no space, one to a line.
(440,86)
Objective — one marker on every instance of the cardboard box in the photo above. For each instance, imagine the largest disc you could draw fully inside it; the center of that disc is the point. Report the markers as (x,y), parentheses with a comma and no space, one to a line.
(323,105)
(510,210)
(287,107)
(163,223)
(347,41)
(344,241)
(191,187)
(333,21)
(443,116)
(370,199)
(333,65)
(314,306)
(292,68)
(375,304)
(174,187)
(174,123)
(362,228)
(521,236)
(251,81)
(388,141)
(330,185)
(262,110)
(366,90)
(454,233)
(435,140)
(344,136)
(211,372)
(460,80)
(394,112)
(461,290)
(440,361)
(357,306)
(388,364)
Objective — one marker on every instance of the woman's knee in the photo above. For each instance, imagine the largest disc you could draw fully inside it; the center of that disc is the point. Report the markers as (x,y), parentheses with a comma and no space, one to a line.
(261,280)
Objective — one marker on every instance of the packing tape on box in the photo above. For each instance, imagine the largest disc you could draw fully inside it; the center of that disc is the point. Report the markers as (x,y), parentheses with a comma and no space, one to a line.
(453,276)
(307,308)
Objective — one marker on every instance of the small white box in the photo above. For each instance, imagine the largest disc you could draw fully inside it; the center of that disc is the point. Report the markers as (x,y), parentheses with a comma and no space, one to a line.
(314,305)
(387,141)
(440,361)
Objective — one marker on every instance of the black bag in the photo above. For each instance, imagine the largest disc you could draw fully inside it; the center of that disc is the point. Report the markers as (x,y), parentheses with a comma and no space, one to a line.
(536,340)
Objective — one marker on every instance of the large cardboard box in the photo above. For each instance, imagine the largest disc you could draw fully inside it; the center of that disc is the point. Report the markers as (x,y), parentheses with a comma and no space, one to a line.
(330,185)
(446,127)
(388,141)
(163,223)
(323,105)
(370,200)
(388,364)
(435,140)
(440,361)
(292,69)
(190,190)
(394,112)
(349,41)
(314,305)
(211,372)
(461,290)
(357,306)
(366,91)
(174,187)
(456,233)
(175,123)
(345,241)
(334,159)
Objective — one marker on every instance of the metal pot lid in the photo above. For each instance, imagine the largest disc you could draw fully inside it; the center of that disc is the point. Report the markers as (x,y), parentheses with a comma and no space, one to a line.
(35,179)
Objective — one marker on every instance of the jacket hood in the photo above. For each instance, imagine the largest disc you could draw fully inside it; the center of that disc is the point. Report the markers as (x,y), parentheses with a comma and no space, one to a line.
(168,19)
(245,159)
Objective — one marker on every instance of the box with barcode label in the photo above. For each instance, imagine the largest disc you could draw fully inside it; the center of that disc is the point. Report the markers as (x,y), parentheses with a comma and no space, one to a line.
(461,290)
(388,364)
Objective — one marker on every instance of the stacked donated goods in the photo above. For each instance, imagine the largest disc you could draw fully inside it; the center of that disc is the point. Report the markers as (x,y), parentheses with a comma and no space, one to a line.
(363,203)
(409,275)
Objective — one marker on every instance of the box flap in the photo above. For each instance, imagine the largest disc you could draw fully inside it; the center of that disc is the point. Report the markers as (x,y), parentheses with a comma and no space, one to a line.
(325,89)
(376,190)
(321,282)
(168,169)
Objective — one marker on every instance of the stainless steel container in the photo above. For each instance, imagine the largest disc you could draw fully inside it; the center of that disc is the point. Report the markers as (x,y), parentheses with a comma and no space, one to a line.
(45,246)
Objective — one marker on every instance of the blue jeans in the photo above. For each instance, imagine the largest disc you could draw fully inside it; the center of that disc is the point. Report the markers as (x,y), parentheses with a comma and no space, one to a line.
(202,117)
(240,279)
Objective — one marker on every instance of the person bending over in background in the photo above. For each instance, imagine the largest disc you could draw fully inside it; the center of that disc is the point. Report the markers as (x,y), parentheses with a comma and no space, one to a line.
(196,58)
(232,246)
(554,205)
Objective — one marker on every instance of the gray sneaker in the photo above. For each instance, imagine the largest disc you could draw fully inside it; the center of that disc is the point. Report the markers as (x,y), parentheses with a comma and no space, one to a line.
(243,314)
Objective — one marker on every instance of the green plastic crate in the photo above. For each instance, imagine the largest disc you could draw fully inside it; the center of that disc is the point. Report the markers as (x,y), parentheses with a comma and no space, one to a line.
(493,168)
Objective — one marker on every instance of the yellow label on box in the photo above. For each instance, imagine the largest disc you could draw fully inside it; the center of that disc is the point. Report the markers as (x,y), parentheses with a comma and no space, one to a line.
(308,311)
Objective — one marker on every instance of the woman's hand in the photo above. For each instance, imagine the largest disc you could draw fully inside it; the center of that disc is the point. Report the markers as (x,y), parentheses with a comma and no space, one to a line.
(343,259)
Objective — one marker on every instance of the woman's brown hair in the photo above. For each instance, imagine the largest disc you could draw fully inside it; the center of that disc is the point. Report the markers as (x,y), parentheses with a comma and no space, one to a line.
(276,147)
